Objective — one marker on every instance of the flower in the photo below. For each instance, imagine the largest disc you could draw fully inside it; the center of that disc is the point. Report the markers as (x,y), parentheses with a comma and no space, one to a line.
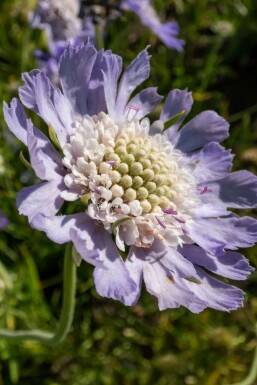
(3,221)
(73,22)
(154,197)
(167,32)
(60,19)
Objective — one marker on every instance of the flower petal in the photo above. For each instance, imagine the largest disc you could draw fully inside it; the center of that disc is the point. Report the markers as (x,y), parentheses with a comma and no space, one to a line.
(216,294)
(38,94)
(76,65)
(44,159)
(57,228)
(206,127)
(111,74)
(212,162)
(133,76)
(176,101)
(16,119)
(146,100)
(96,99)
(237,190)
(230,265)
(27,92)
(214,235)
(113,279)
(42,198)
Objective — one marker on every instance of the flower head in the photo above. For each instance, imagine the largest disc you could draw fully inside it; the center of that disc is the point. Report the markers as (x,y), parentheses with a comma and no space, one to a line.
(3,221)
(154,197)
(167,32)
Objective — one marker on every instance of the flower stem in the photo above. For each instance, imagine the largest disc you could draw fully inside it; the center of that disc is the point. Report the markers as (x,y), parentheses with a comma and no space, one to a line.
(67,312)
(251,376)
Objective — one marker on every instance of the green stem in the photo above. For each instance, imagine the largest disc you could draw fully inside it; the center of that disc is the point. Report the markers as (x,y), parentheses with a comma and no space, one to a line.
(99,30)
(251,377)
(67,313)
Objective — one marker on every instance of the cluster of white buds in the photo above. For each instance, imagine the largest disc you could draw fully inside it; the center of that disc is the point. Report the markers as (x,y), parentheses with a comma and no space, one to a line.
(137,185)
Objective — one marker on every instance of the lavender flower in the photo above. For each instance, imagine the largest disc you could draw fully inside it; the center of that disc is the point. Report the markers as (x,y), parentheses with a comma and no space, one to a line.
(167,32)
(3,221)
(157,194)
(60,19)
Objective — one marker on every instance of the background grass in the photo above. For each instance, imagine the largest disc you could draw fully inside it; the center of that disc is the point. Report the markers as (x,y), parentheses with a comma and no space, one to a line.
(110,343)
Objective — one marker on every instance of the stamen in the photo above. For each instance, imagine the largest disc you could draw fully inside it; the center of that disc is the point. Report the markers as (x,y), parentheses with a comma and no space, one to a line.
(111,162)
(179,220)
(130,107)
(160,222)
(97,190)
(204,190)
(170,211)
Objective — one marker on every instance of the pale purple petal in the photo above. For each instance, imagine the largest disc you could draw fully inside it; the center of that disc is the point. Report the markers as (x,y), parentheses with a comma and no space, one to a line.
(206,127)
(57,228)
(16,119)
(237,190)
(167,32)
(38,88)
(132,77)
(167,286)
(113,279)
(176,101)
(96,100)
(44,159)
(212,162)
(64,110)
(27,92)
(134,263)
(4,221)
(42,198)
(230,265)
(214,235)
(216,294)
(111,75)
(76,65)
(146,100)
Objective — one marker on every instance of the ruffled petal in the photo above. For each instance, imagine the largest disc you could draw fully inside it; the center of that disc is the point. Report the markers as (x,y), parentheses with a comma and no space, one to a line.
(206,127)
(57,228)
(16,119)
(135,264)
(133,76)
(214,235)
(230,265)
(216,294)
(111,74)
(176,101)
(43,198)
(212,162)
(144,103)
(237,190)
(3,221)
(113,279)
(27,92)
(44,159)
(38,94)
(96,98)
(75,83)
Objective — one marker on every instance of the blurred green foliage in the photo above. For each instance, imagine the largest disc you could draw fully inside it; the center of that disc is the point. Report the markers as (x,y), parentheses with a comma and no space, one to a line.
(110,343)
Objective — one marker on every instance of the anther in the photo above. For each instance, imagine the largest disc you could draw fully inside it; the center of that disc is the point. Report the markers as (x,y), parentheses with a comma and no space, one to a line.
(130,195)
(117,191)
(136,169)
(137,182)
(142,193)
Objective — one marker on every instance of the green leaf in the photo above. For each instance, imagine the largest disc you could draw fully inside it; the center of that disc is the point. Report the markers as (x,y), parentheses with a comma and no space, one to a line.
(24,160)
(53,137)
(173,120)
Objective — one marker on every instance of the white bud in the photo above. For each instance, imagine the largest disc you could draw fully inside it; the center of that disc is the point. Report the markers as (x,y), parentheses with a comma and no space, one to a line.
(117,191)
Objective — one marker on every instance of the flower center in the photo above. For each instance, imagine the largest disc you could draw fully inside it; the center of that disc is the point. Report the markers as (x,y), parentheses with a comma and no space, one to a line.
(137,185)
